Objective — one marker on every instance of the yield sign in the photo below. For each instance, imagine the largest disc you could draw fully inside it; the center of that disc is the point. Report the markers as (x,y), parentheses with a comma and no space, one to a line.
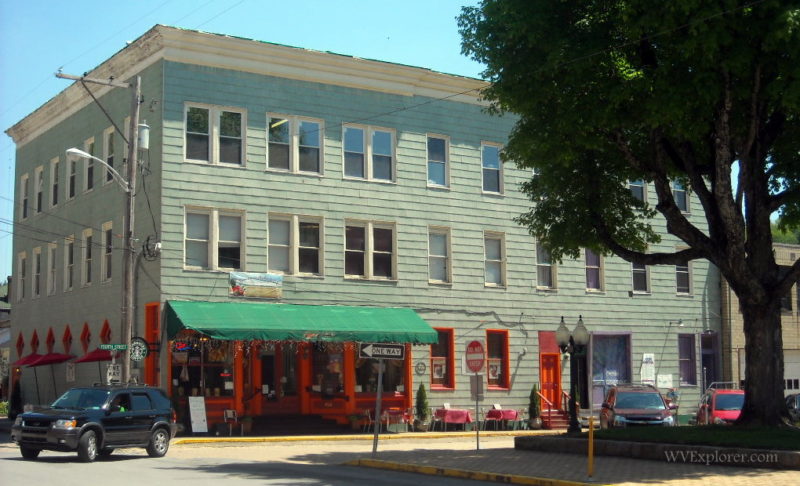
(381,350)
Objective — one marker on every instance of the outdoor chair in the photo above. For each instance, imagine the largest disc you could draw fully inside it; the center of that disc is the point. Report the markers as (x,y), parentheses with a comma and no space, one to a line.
(486,419)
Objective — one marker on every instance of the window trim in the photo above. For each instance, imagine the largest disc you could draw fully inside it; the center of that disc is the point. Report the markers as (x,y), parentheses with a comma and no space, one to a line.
(685,192)
(108,174)
(689,279)
(69,268)
(52,268)
(106,262)
(24,191)
(648,290)
(38,182)
(213,237)
(600,271)
(55,162)
(451,361)
(504,360)
(369,249)
(643,185)
(36,273)
(692,359)
(500,175)
(72,178)
(553,271)
(22,267)
(446,139)
(294,247)
(448,257)
(294,122)
(88,147)
(214,135)
(87,257)
(495,235)
(368,132)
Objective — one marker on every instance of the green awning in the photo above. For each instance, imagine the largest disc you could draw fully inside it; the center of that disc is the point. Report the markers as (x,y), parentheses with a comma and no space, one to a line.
(244,321)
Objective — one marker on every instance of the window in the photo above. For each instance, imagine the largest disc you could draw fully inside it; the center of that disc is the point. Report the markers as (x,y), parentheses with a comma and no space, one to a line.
(22,268)
(213,239)
(86,258)
(294,245)
(214,134)
(295,144)
(494,260)
(369,251)
(38,180)
(36,289)
(443,361)
(637,189)
(72,174)
(680,195)
(492,170)
(367,374)
(545,270)
(23,190)
(641,277)
(51,268)
(686,359)
(69,262)
(594,275)
(108,248)
(54,175)
(369,153)
(88,166)
(108,153)
(497,358)
(683,281)
(438,151)
(439,255)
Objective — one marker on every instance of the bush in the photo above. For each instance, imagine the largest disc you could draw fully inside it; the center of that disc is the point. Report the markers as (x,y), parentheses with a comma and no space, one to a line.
(534,407)
(422,404)
(3,408)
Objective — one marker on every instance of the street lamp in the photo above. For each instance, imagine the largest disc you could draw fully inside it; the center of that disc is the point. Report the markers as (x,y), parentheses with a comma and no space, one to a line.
(575,345)
(76,152)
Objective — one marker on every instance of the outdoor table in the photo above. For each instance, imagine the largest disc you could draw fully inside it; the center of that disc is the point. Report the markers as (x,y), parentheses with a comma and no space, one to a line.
(454,416)
(396,416)
(505,415)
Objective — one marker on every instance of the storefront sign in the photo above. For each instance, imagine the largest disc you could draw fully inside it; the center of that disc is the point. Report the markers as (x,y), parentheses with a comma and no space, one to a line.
(256,285)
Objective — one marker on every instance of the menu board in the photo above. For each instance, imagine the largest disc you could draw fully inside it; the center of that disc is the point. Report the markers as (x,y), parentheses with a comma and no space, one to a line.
(197,412)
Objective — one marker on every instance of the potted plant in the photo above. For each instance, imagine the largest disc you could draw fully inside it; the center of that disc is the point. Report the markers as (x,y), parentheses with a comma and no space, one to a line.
(422,413)
(534,409)
(246,422)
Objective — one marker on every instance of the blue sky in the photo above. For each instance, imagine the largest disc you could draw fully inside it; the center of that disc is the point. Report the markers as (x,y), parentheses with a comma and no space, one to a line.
(37,37)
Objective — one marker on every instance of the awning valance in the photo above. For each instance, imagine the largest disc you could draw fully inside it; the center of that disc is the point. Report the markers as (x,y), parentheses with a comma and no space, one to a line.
(289,322)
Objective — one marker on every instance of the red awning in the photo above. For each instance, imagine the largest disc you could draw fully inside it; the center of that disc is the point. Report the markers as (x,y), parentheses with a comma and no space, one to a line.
(96,355)
(27,359)
(50,358)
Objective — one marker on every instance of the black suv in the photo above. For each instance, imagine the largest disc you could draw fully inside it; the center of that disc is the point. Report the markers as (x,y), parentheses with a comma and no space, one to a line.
(96,420)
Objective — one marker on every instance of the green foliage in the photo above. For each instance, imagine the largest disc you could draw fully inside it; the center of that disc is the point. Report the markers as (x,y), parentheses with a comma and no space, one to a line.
(422,407)
(785,236)
(3,408)
(534,407)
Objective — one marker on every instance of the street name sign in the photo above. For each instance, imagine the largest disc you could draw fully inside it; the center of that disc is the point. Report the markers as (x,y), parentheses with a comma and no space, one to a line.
(114,347)
(381,350)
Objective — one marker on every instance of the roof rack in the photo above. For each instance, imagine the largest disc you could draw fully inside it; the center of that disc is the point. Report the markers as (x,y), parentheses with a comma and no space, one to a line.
(723,385)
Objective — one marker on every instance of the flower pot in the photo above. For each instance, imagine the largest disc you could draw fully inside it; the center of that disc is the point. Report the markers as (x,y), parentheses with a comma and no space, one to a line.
(535,423)
(247,427)
(420,426)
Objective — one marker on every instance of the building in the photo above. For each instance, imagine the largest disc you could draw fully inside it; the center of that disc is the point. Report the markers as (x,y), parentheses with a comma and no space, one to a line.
(733,363)
(347,187)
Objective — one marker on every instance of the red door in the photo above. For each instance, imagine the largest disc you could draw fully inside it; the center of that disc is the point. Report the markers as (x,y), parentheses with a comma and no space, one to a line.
(550,377)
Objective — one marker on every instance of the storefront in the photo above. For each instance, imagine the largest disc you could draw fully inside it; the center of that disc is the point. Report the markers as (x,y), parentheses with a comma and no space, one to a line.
(284,359)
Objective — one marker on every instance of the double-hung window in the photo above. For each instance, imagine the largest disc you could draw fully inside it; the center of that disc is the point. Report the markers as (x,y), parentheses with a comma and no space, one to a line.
(36,288)
(641,277)
(295,144)
(494,259)
(439,255)
(51,268)
(22,268)
(295,244)
(594,271)
(72,177)
(88,166)
(443,360)
(38,180)
(54,177)
(213,239)
(497,358)
(370,250)
(680,195)
(69,262)
(438,158)
(683,278)
(109,153)
(686,359)
(25,195)
(637,189)
(492,169)
(369,153)
(215,134)
(108,249)
(86,257)
(545,270)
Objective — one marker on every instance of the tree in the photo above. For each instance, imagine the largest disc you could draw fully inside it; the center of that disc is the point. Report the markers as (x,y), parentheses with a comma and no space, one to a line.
(702,94)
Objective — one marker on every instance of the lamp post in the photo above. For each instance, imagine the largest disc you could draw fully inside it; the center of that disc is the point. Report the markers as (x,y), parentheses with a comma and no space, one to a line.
(575,345)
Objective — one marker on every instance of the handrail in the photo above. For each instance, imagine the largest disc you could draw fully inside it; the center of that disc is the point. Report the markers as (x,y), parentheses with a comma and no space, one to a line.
(567,398)
(549,409)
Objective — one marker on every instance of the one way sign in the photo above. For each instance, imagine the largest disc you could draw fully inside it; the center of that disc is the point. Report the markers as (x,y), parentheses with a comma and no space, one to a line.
(385,351)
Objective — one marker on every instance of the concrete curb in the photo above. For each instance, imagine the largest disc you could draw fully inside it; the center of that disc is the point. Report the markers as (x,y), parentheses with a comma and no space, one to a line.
(675,453)
(463,474)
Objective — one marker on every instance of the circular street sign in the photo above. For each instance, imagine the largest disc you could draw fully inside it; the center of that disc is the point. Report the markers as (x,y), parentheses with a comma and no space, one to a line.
(475,356)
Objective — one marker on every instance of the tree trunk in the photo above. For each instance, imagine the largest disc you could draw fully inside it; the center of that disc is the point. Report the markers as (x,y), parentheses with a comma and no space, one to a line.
(764,403)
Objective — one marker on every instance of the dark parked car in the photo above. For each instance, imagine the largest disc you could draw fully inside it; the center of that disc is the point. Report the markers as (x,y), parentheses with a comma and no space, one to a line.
(96,420)
(793,403)
(633,405)
(719,405)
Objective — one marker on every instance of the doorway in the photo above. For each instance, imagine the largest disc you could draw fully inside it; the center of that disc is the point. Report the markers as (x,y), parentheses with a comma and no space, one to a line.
(550,378)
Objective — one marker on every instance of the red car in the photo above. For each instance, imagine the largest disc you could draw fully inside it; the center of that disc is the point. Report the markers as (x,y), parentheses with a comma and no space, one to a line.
(720,406)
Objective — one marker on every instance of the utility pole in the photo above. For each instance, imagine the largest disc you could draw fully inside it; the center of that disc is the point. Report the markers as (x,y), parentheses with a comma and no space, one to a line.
(129,252)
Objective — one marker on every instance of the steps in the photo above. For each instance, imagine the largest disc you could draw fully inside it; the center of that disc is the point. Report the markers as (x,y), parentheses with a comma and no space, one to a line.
(559,419)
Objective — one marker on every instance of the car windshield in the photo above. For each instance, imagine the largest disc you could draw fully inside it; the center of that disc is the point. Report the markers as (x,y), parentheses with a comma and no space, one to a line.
(650,401)
(82,398)
(730,401)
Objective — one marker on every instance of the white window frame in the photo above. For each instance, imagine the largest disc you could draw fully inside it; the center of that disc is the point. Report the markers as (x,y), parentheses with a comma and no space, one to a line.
(647,279)
(72,178)
(22,267)
(446,162)
(126,129)
(294,123)
(36,273)
(213,237)
(69,263)
(25,195)
(214,114)
(55,178)
(368,132)
(52,249)
(638,183)
(89,147)
(685,192)
(687,270)
(500,175)
(107,252)
(494,235)
(294,221)
(600,272)
(369,249)
(87,257)
(38,189)
(551,267)
(447,257)
(109,133)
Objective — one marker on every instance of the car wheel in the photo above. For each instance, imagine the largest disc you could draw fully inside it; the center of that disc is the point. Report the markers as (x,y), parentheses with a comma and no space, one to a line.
(29,453)
(159,443)
(105,452)
(87,446)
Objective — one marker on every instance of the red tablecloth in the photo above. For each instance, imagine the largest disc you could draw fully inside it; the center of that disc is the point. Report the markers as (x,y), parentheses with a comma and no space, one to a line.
(505,414)
(454,415)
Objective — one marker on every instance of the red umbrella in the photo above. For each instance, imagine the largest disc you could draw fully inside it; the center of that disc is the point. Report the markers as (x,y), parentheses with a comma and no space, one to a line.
(27,359)
(96,355)
(51,359)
